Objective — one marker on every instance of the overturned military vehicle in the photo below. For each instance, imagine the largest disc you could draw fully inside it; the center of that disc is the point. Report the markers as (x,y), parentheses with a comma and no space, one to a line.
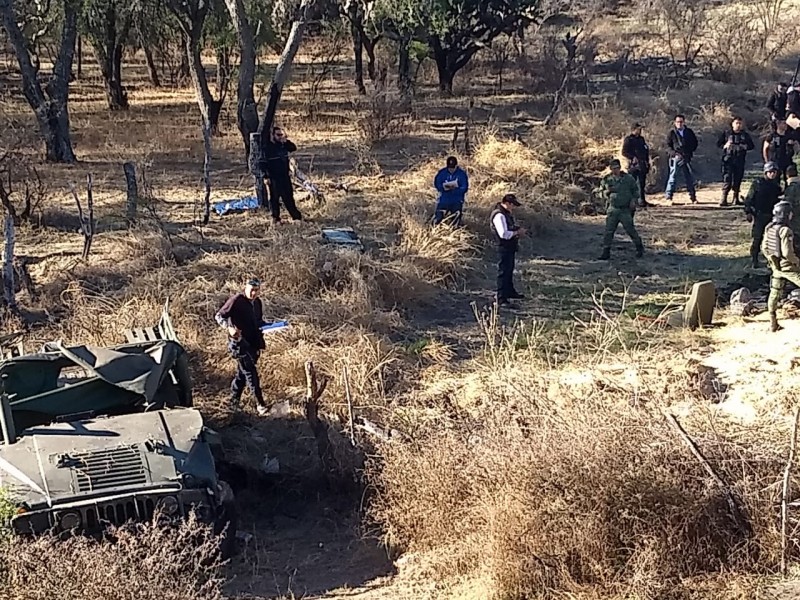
(98,436)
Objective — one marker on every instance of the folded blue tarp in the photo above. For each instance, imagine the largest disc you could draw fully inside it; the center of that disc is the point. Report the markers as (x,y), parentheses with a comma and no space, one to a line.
(274,326)
(235,205)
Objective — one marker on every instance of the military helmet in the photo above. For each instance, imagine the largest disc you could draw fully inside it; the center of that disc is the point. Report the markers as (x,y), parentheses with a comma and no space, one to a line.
(770,166)
(614,163)
(782,210)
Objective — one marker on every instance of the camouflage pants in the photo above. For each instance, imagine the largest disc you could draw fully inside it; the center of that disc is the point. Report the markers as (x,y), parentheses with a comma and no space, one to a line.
(614,217)
(776,286)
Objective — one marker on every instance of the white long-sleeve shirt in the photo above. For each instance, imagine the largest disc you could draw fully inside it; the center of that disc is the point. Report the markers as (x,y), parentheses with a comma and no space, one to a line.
(501,226)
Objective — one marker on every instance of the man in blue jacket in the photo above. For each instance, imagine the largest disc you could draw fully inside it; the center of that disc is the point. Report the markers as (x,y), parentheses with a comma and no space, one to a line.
(452,184)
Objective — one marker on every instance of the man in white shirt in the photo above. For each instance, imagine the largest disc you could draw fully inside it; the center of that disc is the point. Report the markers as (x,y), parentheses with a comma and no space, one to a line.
(506,235)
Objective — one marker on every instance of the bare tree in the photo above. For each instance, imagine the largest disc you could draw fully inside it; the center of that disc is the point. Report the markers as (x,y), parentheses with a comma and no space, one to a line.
(48,103)
(108,23)
(246,109)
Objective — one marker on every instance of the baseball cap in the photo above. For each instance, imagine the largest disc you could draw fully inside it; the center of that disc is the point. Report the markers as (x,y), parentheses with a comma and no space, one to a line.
(511,199)
(770,166)
(637,126)
(614,163)
(254,282)
(452,161)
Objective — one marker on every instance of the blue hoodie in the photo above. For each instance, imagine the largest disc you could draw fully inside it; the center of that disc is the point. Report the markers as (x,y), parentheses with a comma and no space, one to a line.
(456,195)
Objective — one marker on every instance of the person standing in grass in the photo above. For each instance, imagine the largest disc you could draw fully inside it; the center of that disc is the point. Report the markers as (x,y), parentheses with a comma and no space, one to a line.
(764,194)
(682,144)
(735,143)
(506,235)
(636,150)
(276,161)
(778,249)
(242,317)
(620,191)
(452,184)
(777,104)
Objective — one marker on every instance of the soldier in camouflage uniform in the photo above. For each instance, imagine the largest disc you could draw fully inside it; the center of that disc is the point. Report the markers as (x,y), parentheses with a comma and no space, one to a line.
(620,191)
(792,195)
(778,248)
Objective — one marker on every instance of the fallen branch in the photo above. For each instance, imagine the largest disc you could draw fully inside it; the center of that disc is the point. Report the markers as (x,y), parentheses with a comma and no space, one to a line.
(314,390)
(733,505)
(787,474)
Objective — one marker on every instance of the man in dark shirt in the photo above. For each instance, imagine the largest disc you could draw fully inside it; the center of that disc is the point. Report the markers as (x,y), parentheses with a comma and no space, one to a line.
(242,317)
(276,162)
(636,150)
(777,104)
(735,143)
(764,194)
(682,144)
(779,147)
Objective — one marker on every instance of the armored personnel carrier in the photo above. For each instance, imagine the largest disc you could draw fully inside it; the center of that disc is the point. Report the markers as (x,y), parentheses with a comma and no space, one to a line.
(98,436)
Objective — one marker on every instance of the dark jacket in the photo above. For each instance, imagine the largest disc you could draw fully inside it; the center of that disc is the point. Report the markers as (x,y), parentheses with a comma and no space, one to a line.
(793,103)
(777,105)
(764,194)
(742,141)
(510,244)
(684,145)
(780,150)
(245,315)
(276,159)
(636,150)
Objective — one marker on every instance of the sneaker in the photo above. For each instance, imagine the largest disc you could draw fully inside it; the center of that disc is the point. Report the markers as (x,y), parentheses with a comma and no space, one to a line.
(262,409)
(517,296)
(724,204)
(502,302)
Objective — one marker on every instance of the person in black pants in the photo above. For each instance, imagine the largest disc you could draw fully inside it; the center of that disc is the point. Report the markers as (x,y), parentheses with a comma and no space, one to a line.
(506,235)
(779,147)
(276,160)
(636,150)
(735,143)
(765,192)
(242,317)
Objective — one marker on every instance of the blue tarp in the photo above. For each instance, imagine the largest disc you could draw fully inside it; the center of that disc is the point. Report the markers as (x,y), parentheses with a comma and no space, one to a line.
(235,205)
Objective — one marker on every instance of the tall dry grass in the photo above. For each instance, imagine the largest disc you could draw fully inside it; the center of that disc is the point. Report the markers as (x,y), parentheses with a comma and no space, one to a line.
(141,562)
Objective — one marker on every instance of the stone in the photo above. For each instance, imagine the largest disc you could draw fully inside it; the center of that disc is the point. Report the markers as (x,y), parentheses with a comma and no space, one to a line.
(699,309)
(742,303)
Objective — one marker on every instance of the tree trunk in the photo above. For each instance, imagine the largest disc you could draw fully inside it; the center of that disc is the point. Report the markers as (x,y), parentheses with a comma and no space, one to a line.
(9,286)
(358,53)
(206,172)
(443,68)
(79,51)
(132,192)
(404,66)
(246,109)
(369,46)
(50,104)
(152,70)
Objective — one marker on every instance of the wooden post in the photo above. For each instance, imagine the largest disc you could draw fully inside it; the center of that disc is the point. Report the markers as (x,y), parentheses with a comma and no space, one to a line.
(8,264)
(346,377)
(87,221)
(207,171)
(787,485)
(133,192)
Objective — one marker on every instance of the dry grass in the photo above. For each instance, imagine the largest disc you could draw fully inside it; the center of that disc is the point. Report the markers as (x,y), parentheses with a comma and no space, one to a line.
(145,562)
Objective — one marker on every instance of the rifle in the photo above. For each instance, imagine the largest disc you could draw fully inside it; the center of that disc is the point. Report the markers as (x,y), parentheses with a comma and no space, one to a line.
(796,73)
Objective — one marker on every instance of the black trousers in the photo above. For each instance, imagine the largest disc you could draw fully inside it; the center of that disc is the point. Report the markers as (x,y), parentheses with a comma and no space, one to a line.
(282,189)
(246,371)
(641,177)
(732,175)
(760,222)
(505,272)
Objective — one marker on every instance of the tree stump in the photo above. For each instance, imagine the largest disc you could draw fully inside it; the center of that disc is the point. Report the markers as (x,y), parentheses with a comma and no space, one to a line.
(133,192)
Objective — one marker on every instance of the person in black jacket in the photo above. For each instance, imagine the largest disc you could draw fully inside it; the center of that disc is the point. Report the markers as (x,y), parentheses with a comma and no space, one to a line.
(779,147)
(276,160)
(242,316)
(506,235)
(793,107)
(636,150)
(777,103)
(735,143)
(764,194)
(682,144)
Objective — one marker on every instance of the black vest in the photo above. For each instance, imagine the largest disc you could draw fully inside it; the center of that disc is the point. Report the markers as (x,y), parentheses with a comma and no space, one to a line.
(511,244)
(779,150)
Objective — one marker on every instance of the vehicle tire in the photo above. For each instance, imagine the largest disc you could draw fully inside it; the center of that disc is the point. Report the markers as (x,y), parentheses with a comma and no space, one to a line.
(226,522)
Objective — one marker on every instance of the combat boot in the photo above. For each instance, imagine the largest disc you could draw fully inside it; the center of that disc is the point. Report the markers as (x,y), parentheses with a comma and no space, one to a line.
(724,201)
(773,322)
(606,255)
(639,250)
